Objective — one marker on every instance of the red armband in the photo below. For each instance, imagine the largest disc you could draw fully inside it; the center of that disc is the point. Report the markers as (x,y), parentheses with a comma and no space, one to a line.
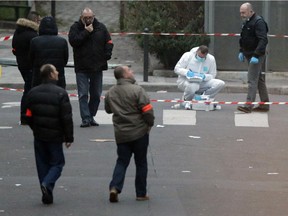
(147,108)
(28,113)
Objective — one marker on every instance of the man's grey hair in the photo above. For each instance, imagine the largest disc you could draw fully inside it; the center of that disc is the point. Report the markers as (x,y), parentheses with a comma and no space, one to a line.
(249,6)
(45,71)
(118,72)
(33,15)
(86,9)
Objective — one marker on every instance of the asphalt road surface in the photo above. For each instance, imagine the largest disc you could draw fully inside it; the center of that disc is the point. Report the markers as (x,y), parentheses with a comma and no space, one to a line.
(216,163)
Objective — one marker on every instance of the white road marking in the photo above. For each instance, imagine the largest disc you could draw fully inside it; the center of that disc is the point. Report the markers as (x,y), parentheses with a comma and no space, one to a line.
(5,127)
(179,117)
(10,104)
(251,120)
(188,117)
(103,118)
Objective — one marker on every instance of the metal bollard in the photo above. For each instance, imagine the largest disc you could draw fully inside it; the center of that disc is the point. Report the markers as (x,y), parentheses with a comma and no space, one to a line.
(146,55)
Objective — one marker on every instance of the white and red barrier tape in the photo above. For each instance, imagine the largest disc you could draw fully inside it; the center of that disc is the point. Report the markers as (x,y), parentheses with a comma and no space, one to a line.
(163,34)
(180,101)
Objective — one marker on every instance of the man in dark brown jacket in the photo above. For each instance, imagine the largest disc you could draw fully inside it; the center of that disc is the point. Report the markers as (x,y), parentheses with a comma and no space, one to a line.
(133,117)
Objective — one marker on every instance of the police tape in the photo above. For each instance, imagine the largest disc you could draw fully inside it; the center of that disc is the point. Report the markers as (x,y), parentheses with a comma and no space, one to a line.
(5,38)
(180,101)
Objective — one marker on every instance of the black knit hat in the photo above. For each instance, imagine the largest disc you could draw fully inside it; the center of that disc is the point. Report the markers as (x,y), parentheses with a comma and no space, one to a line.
(48,26)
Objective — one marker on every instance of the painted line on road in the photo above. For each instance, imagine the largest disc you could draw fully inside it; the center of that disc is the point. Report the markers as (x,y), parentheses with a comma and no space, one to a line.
(10,104)
(188,117)
(103,118)
(179,117)
(251,119)
(5,127)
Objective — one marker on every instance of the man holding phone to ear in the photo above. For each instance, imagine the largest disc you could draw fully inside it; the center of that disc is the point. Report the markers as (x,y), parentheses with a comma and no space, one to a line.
(92,48)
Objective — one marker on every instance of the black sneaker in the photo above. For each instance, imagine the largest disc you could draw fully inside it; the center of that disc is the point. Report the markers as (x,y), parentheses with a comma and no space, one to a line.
(94,123)
(85,124)
(244,109)
(47,196)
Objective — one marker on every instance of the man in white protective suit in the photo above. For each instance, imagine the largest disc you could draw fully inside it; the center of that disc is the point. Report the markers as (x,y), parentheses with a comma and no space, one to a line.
(196,75)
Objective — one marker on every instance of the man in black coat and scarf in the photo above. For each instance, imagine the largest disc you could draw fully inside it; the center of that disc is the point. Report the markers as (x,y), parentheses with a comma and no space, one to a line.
(92,48)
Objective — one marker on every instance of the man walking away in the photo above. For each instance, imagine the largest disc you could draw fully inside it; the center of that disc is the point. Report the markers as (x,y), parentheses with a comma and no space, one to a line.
(49,114)
(133,117)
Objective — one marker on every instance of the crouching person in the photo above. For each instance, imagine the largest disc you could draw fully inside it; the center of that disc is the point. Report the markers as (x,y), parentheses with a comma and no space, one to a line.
(133,117)
(196,72)
(49,114)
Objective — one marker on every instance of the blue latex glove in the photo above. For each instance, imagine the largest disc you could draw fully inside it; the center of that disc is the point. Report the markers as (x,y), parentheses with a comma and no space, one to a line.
(197,97)
(241,57)
(190,74)
(202,76)
(254,60)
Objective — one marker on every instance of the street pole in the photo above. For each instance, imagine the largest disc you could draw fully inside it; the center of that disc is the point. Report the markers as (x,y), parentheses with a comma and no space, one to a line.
(146,55)
(53,8)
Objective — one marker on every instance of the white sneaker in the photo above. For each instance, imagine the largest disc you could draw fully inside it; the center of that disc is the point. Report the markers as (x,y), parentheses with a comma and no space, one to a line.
(188,105)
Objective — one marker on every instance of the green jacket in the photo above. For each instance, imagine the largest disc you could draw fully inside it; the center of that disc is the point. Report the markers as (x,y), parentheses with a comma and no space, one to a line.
(133,115)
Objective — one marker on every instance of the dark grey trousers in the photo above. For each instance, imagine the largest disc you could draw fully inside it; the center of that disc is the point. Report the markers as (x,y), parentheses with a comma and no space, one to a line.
(256,81)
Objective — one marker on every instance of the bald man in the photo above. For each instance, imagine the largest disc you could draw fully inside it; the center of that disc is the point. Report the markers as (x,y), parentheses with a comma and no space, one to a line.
(253,42)
(92,48)
(133,117)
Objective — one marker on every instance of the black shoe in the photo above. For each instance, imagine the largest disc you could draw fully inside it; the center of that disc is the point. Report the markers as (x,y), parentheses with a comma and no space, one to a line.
(85,124)
(94,123)
(23,121)
(260,109)
(113,195)
(47,196)
(142,198)
(244,109)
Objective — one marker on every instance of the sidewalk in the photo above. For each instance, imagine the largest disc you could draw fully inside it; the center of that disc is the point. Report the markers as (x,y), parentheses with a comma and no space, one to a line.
(235,81)
(127,52)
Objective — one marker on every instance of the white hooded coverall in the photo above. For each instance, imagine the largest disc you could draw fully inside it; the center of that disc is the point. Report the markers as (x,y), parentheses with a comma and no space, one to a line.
(209,86)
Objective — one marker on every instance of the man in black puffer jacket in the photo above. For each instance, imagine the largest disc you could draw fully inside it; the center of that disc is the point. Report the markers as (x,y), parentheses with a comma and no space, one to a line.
(49,114)
(25,31)
(49,48)
(92,47)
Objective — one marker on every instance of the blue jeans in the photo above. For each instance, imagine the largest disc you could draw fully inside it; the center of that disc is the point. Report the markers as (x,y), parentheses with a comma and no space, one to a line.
(91,82)
(27,77)
(124,151)
(49,162)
